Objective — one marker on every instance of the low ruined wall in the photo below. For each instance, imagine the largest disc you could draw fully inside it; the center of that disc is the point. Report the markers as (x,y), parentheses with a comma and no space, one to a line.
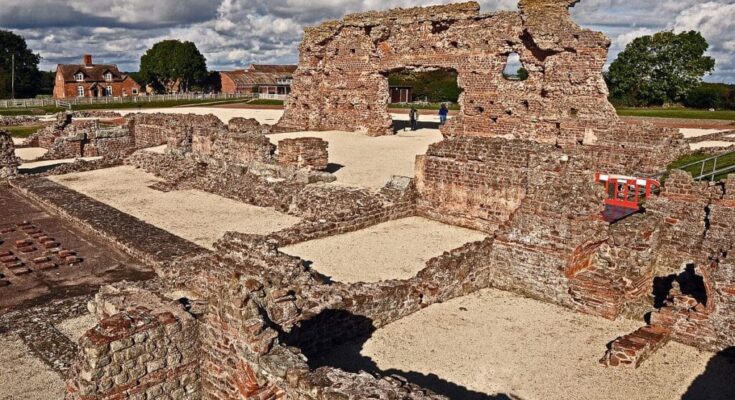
(237,148)
(150,130)
(8,161)
(140,347)
(304,153)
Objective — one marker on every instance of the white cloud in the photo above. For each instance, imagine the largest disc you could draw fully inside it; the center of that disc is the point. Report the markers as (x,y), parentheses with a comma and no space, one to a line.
(235,33)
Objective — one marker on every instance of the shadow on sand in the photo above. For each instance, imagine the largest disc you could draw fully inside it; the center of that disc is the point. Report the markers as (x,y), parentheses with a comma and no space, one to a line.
(399,125)
(717,382)
(334,338)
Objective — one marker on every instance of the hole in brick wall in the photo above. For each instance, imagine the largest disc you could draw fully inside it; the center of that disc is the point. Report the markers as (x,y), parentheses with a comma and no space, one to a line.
(573,112)
(525,104)
(454,44)
(368,30)
(439,27)
(689,283)
(479,110)
(494,119)
(353,51)
(544,93)
(509,112)
(514,69)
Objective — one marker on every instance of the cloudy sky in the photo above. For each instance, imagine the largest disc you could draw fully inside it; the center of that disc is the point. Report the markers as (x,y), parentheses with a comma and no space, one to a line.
(236,33)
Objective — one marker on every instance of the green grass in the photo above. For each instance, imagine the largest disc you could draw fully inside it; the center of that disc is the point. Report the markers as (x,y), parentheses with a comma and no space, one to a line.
(722,162)
(686,113)
(22,131)
(115,106)
(427,106)
(265,102)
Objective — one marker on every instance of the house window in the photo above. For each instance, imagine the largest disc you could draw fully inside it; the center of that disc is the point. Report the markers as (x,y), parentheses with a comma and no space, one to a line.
(135,91)
(79,77)
(80,91)
(108,91)
(108,76)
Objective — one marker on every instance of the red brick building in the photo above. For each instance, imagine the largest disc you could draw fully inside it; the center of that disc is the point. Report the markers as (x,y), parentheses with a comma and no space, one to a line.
(273,80)
(92,80)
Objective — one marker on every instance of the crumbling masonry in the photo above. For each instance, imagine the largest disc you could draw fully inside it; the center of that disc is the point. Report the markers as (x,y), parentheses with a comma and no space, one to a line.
(517,163)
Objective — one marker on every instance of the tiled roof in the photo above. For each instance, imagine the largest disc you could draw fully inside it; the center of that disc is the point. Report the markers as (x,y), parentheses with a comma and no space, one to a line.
(289,69)
(92,72)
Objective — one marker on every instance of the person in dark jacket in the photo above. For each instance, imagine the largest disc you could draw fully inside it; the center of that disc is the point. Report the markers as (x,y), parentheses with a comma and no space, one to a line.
(413,116)
(443,112)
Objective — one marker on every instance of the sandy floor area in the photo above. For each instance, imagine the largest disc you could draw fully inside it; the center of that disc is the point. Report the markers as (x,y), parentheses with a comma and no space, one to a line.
(24,377)
(393,250)
(496,343)
(157,149)
(370,161)
(710,143)
(225,114)
(30,153)
(48,163)
(18,141)
(74,328)
(191,214)
(691,132)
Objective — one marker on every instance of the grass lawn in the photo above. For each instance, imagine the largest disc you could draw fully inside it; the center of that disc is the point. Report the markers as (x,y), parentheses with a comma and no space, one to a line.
(265,102)
(686,113)
(115,106)
(427,106)
(22,131)
(722,162)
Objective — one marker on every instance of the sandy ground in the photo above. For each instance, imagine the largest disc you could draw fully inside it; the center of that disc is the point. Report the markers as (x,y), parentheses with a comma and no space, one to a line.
(225,114)
(47,163)
(24,377)
(691,132)
(18,141)
(392,250)
(496,343)
(370,161)
(30,153)
(710,143)
(74,328)
(157,149)
(191,214)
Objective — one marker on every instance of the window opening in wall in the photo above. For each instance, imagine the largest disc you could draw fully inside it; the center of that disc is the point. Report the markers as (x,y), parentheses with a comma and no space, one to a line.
(514,68)
(80,91)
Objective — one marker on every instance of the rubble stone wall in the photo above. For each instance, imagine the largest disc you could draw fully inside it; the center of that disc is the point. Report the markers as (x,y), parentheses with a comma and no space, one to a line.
(342,84)
(150,130)
(8,161)
(141,348)
(304,153)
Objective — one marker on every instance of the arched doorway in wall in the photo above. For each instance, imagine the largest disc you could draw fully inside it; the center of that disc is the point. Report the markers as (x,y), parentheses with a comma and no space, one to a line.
(422,88)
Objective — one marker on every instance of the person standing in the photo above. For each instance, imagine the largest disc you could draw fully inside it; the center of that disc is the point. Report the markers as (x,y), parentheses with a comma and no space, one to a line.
(413,116)
(443,112)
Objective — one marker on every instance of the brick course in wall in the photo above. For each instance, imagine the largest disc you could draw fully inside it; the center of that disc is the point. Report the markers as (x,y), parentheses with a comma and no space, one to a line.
(304,153)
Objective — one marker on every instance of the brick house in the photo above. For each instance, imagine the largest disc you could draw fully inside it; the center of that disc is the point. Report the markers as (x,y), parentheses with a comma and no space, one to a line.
(268,80)
(92,80)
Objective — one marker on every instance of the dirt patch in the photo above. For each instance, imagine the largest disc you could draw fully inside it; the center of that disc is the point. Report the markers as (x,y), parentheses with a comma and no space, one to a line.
(23,376)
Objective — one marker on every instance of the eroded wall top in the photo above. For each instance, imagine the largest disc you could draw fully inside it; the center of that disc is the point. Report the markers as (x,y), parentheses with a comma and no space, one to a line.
(341,82)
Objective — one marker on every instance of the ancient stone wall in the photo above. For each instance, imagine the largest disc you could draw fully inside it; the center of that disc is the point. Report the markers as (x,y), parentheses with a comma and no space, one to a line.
(141,348)
(8,161)
(304,153)
(228,147)
(149,130)
(341,82)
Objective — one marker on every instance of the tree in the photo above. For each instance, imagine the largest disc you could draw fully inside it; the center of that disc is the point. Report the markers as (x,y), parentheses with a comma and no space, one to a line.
(173,65)
(659,69)
(27,77)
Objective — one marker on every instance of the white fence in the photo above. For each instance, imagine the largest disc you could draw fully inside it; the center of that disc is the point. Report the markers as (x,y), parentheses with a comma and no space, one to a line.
(26,103)
(268,96)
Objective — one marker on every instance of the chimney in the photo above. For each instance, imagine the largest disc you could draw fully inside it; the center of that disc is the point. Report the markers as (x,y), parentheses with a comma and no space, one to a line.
(87,59)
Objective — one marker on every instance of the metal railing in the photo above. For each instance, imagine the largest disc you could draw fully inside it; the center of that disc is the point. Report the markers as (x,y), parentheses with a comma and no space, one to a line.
(45,102)
(707,173)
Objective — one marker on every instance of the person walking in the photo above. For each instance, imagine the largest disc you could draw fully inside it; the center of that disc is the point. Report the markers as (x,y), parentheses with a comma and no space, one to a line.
(443,112)
(413,116)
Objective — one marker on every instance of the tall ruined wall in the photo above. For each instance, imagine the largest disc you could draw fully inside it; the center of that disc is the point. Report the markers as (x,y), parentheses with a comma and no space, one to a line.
(341,82)
(8,161)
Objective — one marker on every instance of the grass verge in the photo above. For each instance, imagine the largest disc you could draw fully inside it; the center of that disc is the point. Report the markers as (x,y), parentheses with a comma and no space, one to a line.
(265,102)
(116,106)
(22,131)
(685,113)
(725,161)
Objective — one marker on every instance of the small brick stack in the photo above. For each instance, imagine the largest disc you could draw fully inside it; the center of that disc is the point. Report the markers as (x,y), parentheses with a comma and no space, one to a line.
(304,153)
(8,161)
(137,351)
